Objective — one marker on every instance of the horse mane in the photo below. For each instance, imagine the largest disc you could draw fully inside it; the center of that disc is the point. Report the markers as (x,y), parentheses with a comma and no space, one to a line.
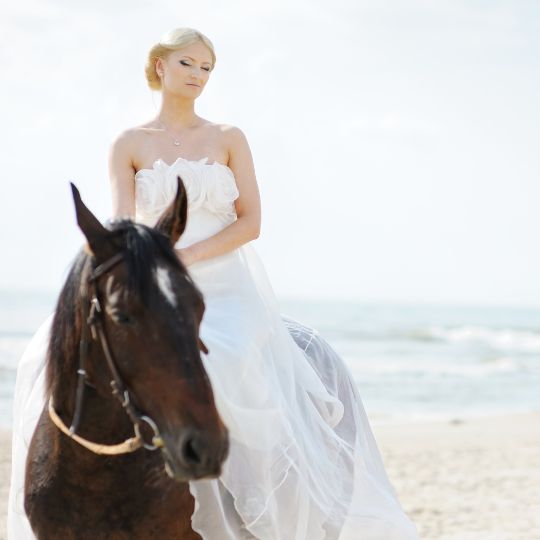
(143,246)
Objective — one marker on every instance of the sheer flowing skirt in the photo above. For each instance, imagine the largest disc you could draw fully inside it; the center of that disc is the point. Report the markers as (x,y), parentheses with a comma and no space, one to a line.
(303,462)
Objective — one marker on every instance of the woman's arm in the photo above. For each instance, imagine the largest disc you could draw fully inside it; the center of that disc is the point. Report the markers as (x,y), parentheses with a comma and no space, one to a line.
(248,206)
(122,177)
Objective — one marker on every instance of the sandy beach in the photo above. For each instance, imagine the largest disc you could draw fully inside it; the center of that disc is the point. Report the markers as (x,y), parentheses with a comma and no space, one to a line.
(477,479)
(462,480)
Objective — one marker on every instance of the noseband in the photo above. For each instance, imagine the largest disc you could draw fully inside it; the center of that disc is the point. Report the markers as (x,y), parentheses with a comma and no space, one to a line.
(93,319)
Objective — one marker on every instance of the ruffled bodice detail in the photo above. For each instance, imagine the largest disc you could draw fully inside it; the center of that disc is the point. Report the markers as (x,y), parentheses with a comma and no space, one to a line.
(210,186)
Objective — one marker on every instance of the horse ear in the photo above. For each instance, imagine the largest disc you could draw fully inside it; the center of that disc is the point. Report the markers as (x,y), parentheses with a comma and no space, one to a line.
(173,220)
(96,234)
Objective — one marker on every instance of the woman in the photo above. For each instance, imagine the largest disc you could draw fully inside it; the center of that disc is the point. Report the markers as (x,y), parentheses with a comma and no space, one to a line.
(303,463)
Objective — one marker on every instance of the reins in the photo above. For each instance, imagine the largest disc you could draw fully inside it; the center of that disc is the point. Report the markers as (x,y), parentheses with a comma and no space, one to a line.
(93,319)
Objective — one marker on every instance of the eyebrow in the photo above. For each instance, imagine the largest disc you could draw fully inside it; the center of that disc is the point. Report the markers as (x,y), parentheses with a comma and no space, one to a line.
(194,59)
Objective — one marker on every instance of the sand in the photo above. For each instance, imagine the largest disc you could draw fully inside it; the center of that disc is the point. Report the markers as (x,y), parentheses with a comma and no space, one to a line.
(463,480)
(479,479)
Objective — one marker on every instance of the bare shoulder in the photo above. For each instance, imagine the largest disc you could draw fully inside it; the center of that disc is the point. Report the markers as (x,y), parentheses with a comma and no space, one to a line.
(125,145)
(137,133)
(226,132)
(230,133)
(236,143)
(124,137)
(125,142)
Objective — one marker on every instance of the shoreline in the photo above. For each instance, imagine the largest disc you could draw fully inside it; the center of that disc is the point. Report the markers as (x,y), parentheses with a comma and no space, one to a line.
(461,479)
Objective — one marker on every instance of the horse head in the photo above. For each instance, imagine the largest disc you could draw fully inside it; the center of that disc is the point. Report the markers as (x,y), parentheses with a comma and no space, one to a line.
(146,312)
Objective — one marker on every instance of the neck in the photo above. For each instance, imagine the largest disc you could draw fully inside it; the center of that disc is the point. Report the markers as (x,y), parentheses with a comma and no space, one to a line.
(177,112)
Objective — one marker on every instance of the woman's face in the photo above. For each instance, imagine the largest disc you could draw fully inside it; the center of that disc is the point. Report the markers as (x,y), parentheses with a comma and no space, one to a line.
(186,71)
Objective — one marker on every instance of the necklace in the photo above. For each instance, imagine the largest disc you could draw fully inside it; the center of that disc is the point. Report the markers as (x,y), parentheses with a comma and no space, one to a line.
(176,142)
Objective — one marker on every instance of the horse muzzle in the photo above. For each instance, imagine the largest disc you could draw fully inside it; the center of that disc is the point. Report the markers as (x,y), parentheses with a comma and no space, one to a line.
(194,454)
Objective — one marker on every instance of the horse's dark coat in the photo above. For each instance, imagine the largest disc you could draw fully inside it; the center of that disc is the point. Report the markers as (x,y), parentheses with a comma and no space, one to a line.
(72,493)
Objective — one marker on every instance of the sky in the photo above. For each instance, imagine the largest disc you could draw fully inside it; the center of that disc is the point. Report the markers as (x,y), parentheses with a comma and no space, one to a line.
(395,142)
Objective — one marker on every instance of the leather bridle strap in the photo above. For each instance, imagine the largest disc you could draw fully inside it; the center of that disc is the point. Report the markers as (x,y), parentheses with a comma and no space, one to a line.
(93,319)
(88,317)
(129,445)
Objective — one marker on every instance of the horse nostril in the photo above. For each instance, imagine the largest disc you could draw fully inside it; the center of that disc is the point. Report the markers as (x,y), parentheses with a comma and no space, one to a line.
(201,452)
(190,451)
(194,450)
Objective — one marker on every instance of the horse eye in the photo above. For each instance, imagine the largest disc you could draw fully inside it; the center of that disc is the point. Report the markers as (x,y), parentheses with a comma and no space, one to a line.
(121,318)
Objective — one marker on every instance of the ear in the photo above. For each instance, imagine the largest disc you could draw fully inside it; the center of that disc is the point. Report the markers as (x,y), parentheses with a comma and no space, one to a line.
(173,221)
(96,234)
(156,64)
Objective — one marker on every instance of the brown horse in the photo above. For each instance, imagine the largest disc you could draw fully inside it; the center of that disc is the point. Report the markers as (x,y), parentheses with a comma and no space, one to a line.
(127,320)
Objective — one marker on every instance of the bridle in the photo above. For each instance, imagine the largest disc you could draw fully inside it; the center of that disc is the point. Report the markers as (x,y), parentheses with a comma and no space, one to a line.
(93,319)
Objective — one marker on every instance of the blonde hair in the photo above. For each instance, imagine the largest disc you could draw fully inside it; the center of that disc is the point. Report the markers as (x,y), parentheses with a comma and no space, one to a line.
(172,41)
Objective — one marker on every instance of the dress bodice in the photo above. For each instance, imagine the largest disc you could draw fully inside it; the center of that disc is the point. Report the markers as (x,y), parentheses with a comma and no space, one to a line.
(211,191)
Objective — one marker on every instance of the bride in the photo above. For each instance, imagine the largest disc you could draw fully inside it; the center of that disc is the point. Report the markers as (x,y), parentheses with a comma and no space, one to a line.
(303,463)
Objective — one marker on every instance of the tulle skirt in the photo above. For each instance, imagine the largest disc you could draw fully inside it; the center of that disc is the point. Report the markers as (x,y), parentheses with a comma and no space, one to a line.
(303,462)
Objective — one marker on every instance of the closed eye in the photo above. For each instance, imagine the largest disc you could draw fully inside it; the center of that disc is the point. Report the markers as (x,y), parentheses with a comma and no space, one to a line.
(184,63)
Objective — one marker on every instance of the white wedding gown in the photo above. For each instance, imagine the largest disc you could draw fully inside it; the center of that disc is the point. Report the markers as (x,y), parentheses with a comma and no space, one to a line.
(303,463)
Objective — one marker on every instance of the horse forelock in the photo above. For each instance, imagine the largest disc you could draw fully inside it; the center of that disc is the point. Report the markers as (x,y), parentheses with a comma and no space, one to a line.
(147,249)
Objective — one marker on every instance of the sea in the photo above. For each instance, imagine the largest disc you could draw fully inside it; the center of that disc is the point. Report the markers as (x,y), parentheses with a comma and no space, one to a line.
(409,362)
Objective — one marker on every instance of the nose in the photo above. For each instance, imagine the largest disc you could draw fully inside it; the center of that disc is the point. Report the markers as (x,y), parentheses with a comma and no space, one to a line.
(197,72)
(195,451)
(201,454)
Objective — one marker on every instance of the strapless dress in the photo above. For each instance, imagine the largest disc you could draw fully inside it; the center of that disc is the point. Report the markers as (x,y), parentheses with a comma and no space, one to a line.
(303,462)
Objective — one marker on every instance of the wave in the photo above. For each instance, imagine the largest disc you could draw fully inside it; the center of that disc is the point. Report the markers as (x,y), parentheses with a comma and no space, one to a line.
(500,365)
(518,340)
(507,339)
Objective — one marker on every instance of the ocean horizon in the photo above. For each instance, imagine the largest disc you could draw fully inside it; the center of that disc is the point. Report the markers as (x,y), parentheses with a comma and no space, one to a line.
(412,362)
